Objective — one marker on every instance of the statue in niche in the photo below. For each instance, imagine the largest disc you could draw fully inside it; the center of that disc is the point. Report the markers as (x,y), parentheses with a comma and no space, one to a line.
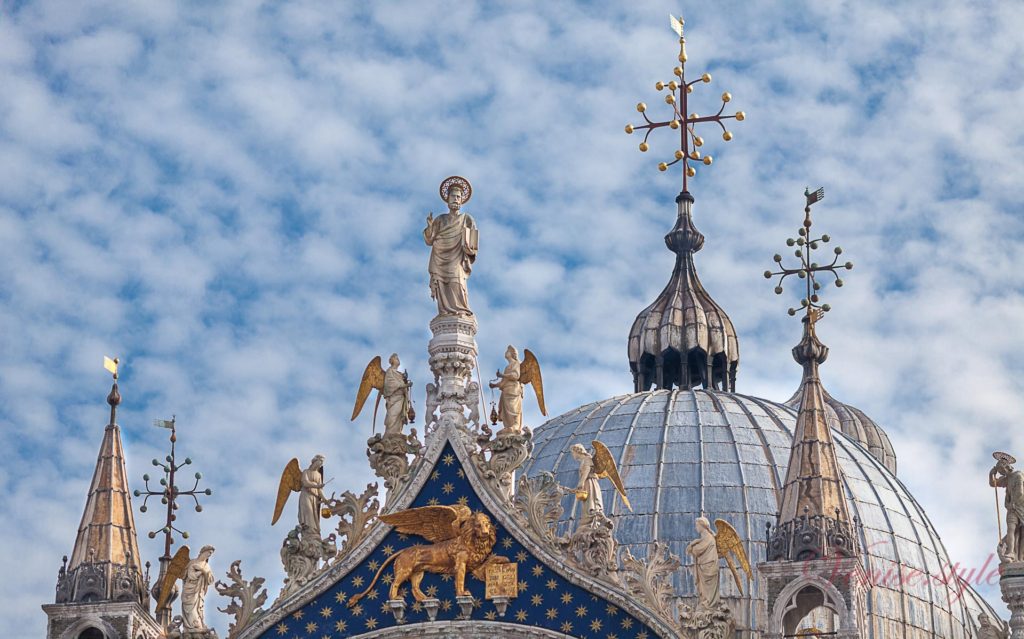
(1003,475)
(453,239)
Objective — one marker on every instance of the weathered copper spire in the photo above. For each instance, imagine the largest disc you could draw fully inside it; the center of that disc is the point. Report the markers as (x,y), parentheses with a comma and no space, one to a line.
(684,339)
(814,520)
(105,564)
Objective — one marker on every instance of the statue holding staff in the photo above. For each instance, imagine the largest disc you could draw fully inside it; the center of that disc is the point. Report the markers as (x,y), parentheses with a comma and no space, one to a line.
(1003,475)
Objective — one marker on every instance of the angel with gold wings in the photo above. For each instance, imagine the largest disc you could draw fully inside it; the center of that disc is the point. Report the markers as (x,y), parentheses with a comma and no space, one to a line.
(593,468)
(196,577)
(394,386)
(309,484)
(462,543)
(511,381)
(707,549)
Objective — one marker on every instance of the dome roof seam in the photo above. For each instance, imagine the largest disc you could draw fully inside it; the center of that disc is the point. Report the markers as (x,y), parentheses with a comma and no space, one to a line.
(775,476)
(917,534)
(614,510)
(852,501)
(751,601)
(660,467)
(600,405)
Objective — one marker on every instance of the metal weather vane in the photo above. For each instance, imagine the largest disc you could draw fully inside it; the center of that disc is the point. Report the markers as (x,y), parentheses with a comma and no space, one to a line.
(169,494)
(807,269)
(678,98)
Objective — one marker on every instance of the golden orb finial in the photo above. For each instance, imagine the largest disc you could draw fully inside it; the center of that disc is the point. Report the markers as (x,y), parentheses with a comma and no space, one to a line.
(677,97)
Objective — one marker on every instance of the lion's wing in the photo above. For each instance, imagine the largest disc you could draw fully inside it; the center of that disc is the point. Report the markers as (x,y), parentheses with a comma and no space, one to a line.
(433,523)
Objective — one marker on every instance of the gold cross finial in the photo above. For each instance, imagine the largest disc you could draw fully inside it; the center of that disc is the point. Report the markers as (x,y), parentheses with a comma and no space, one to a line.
(677,97)
(807,269)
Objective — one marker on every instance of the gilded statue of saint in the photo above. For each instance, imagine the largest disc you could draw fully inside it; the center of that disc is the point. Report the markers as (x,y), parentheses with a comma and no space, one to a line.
(453,240)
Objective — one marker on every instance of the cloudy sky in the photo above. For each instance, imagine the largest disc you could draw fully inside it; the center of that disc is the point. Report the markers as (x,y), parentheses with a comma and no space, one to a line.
(229,196)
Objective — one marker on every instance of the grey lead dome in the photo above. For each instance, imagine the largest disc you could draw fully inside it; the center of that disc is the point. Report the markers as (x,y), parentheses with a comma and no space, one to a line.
(684,453)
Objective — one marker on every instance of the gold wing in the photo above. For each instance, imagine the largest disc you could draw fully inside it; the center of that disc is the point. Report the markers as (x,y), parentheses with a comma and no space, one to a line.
(604,466)
(291,481)
(433,523)
(529,373)
(175,571)
(373,377)
(729,543)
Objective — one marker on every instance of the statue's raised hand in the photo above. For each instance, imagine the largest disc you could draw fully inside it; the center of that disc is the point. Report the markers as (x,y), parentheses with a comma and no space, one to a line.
(430,218)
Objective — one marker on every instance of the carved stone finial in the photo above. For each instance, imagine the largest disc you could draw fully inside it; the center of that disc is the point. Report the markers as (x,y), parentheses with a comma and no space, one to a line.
(650,581)
(246,598)
(355,514)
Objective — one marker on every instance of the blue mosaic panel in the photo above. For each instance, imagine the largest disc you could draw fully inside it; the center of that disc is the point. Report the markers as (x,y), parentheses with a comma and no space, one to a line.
(545,599)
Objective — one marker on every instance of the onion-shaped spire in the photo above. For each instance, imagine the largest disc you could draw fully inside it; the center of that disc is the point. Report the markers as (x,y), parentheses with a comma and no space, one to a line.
(684,339)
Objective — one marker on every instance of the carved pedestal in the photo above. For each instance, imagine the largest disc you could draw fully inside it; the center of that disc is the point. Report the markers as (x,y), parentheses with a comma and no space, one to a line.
(1011,582)
(499,458)
(453,360)
(592,546)
(389,458)
(302,553)
(707,623)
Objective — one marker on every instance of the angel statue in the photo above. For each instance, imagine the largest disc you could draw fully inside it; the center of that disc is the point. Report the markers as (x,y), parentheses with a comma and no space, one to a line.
(706,550)
(594,467)
(453,239)
(196,577)
(461,544)
(393,385)
(309,484)
(511,381)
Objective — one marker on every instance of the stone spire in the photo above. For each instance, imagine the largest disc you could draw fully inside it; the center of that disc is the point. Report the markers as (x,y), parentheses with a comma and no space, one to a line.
(105,564)
(813,498)
(684,339)
(102,591)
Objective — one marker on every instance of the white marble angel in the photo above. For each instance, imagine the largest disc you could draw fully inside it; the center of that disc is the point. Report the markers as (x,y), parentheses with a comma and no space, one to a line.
(309,484)
(593,468)
(510,382)
(707,549)
(394,387)
(196,577)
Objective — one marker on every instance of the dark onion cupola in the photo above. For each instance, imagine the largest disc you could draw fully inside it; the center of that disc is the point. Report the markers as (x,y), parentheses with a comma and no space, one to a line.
(684,339)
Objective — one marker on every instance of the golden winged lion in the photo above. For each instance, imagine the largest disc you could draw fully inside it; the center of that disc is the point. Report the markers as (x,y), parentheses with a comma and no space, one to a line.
(462,542)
